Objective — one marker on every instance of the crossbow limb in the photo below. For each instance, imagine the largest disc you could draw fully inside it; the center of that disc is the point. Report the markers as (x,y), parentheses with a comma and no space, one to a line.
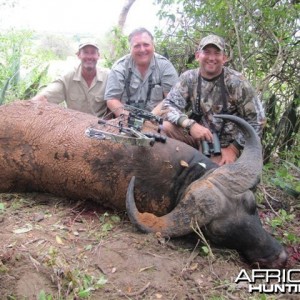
(130,137)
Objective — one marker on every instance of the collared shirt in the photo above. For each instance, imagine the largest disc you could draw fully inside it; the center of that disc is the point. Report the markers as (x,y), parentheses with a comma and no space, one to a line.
(73,89)
(242,101)
(161,72)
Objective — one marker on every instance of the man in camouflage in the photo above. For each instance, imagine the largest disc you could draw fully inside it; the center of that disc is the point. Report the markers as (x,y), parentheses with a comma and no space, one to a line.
(142,78)
(211,89)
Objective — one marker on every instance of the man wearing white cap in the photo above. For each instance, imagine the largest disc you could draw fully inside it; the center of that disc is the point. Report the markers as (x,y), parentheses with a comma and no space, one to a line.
(83,88)
(212,89)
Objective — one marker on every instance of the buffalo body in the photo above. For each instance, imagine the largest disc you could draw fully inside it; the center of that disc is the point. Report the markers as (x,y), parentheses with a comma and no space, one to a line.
(43,147)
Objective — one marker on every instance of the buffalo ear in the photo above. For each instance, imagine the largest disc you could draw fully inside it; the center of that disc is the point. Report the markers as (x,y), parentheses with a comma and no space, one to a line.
(248,202)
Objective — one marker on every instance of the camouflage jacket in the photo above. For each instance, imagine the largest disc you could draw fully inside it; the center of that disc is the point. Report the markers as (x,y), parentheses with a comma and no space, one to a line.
(241,100)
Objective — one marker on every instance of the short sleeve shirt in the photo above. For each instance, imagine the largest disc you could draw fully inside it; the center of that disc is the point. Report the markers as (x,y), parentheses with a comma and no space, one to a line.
(73,89)
(134,90)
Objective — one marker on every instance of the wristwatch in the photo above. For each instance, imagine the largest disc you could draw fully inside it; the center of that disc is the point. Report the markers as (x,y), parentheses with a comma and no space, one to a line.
(189,126)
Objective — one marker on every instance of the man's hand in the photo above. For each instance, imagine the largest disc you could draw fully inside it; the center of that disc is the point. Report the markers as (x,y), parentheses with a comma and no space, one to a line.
(116,107)
(201,133)
(228,155)
(39,98)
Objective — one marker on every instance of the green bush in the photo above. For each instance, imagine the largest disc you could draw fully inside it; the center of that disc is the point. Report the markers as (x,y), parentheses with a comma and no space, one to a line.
(23,67)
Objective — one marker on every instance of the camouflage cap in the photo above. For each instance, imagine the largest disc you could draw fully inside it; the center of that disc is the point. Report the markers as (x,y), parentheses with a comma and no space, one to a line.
(212,40)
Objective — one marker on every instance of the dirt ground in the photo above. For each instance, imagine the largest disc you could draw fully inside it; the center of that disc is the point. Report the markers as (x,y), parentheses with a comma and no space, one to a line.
(52,248)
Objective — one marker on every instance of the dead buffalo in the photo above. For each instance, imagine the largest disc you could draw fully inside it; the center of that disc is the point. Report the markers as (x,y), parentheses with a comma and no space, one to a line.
(43,148)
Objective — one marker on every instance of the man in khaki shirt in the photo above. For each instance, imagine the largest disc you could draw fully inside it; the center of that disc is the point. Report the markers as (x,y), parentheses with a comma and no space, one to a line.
(83,88)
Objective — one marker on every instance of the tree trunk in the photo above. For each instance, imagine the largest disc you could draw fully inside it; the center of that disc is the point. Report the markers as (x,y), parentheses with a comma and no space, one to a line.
(124,12)
(118,31)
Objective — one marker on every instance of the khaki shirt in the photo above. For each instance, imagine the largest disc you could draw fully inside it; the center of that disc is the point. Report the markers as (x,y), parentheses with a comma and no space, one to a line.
(241,98)
(161,71)
(73,89)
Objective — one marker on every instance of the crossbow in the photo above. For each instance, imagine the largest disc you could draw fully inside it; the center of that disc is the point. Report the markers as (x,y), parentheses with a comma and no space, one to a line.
(128,129)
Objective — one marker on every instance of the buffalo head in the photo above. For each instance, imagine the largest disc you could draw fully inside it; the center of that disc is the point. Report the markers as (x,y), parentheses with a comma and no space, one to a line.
(223,205)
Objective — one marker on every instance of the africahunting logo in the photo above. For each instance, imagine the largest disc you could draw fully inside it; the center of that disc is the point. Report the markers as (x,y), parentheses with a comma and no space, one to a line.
(271,281)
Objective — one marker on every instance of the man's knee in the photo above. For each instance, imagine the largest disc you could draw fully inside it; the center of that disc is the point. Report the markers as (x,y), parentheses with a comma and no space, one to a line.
(177,133)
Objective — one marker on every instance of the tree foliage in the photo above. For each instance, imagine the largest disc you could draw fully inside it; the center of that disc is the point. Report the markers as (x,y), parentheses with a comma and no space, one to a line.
(59,45)
(116,46)
(22,68)
(262,42)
